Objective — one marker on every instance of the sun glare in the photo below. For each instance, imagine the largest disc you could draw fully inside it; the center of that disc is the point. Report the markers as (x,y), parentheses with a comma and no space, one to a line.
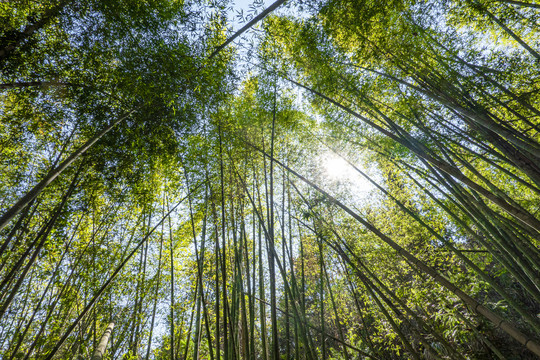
(336,169)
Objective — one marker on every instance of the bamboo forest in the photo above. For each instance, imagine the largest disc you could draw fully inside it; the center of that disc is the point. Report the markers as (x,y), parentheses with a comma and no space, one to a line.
(292,180)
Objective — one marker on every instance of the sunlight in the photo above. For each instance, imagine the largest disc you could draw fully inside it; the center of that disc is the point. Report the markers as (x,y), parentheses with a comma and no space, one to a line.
(337,170)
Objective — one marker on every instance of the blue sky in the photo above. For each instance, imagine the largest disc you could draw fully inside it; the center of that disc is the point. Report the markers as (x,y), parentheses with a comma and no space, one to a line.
(245,5)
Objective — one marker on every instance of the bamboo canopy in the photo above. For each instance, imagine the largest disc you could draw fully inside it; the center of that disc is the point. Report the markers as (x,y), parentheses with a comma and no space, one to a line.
(299,180)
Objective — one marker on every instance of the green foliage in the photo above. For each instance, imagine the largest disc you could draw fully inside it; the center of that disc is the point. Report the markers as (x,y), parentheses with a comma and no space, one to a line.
(208,224)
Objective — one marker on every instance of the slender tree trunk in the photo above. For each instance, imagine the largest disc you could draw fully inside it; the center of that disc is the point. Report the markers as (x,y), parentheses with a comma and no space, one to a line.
(44,84)
(520,3)
(512,34)
(172,283)
(255,20)
(102,346)
(156,295)
(271,240)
